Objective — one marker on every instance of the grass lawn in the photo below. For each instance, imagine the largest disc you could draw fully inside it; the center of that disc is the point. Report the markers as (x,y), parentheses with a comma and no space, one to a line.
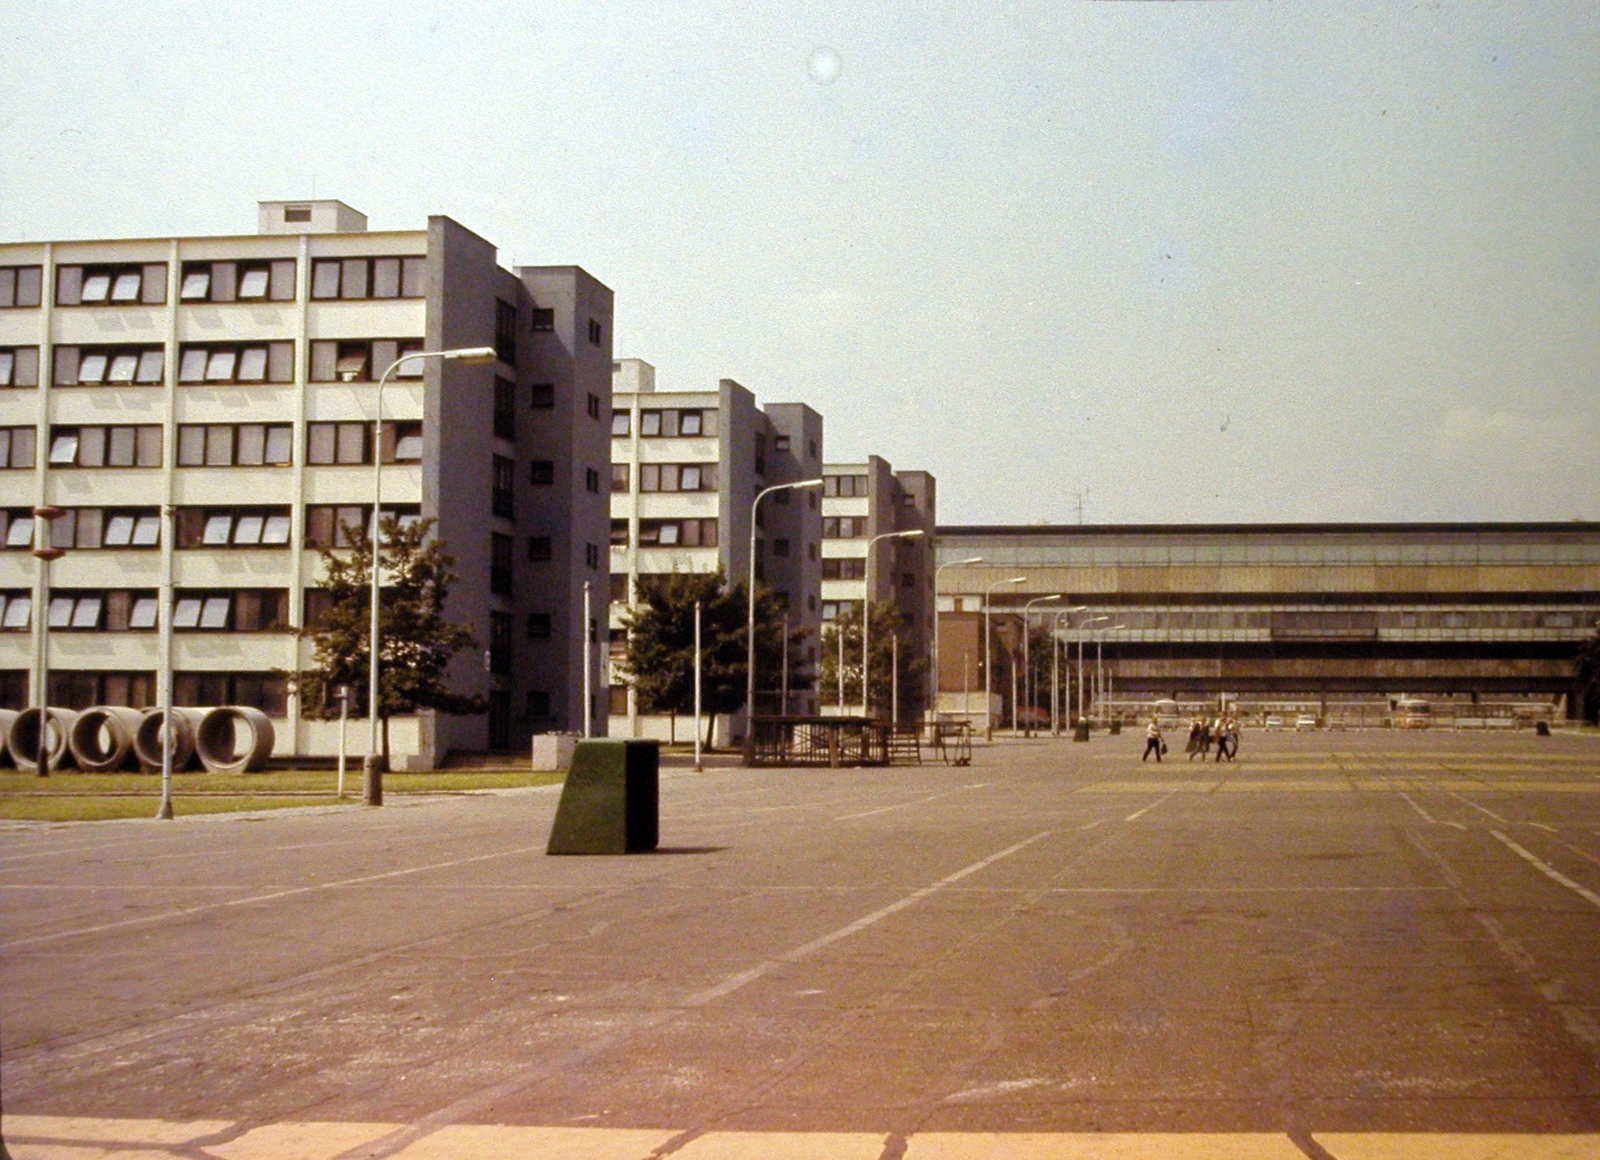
(68,796)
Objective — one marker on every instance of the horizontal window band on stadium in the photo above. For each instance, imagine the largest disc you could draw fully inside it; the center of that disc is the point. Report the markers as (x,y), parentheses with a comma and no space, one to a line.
(1284,600)
(667,423)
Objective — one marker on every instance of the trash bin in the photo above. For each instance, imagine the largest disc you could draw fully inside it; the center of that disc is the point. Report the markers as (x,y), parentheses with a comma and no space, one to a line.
(610,803)
(1080,731)
(1116,726)
(1541,728)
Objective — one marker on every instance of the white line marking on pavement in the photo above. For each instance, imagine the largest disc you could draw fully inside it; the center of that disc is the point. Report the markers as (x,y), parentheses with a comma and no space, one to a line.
(254,898)
(1480,809)
(1140,813)
(1541,826)
(1549,871)
(477,1102)
(907,805)
(1426,816)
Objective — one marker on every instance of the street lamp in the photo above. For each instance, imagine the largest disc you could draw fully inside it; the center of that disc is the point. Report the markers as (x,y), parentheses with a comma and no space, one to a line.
(933,666)
(1080,628)
(866,619)
(988,695)
(1099,667)
(45,552)
(371,775)
(1055,667)
(750,624)
(1027,657)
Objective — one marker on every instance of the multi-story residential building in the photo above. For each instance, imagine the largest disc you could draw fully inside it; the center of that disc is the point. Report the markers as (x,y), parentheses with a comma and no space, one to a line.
(233,383)
(686,467)
(863,506)
(1322,613)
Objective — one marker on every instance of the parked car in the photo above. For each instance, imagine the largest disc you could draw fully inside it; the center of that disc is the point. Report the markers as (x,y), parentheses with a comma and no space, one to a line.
(1305,721)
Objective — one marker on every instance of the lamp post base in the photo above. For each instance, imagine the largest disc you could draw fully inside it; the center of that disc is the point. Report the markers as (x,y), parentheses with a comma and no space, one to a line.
(371,781)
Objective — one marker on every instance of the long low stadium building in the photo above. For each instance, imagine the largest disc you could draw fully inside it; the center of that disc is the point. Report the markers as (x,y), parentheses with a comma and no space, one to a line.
(1473,612)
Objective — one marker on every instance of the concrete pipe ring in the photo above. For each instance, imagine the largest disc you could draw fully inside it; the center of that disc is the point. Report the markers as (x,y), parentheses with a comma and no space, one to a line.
(218,743)
(7,716)
(147,741)
(102,737)
(22,739)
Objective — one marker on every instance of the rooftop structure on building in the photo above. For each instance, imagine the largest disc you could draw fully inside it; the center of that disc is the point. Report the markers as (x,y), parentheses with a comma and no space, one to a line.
(232,379)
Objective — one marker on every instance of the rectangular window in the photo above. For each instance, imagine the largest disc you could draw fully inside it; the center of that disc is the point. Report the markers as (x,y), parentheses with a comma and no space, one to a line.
(780,547)
(619,588)
(268,692)
(538,626)
(401,441)
(93,366)
(500,578)
(505,409)
(619,533)
(243,281)
(17,447)
(677,477)
(503,486)
(19,286)
(235,445)
(539,548)
(621,424)
(542,472)
(594,331)
(591,480)
(19,366)
(86,446)
(500,642)
(216,364)
(227,527)
(591,556)
(593,405)
(848,568)
(544,318)
(844,486)
(677,533)
(538,704)
(619,476)
(542,396)
(339,444)
(112,285)
(364,360)
(505,333)
(780,443)
(844,527)
(231,610)
(345,525)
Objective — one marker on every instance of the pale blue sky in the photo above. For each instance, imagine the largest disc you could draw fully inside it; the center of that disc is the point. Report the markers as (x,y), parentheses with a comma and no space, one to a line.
(1236,260)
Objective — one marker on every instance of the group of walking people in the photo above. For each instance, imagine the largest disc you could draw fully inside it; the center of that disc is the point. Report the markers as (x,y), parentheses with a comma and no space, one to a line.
(1222,732)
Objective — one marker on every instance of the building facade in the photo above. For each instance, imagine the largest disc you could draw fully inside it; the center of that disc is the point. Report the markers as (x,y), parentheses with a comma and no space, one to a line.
(686,467)
(1320,611)
(864,506)
(206,411)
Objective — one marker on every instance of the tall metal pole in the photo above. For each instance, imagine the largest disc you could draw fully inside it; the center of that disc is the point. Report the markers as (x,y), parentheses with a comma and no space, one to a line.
(866,617)
(1027,658)
(750,622)
(1055,682)
(588,661)
(344,718)
(45,552)
(783,707)
(894,678)
(698,724)
(838,632)
(168,731)
(988,691)
(933,661)
(371,773)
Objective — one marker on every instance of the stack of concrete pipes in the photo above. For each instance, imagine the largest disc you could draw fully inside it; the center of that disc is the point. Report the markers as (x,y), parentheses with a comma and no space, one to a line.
(108,738)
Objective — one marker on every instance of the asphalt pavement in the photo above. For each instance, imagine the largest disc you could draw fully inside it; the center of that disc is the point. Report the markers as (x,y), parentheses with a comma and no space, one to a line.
(1356,946)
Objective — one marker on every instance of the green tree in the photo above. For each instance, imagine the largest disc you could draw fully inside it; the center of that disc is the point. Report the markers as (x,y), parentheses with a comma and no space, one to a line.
(659,659)
(417,642)
(886,621)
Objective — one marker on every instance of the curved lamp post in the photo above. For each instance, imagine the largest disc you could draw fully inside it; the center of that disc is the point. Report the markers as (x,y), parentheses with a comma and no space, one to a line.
(1027,658)
(1055,667)
(933,666)
(371,774)
(750,623)
(988,694)
(46,553)
(866,618)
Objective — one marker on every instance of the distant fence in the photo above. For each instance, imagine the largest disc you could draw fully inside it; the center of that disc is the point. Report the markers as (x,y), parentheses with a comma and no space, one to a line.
(836,742)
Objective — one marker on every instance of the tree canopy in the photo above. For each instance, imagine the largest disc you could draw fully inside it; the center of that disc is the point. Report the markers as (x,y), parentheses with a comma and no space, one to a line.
(417,643)
(886,621)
